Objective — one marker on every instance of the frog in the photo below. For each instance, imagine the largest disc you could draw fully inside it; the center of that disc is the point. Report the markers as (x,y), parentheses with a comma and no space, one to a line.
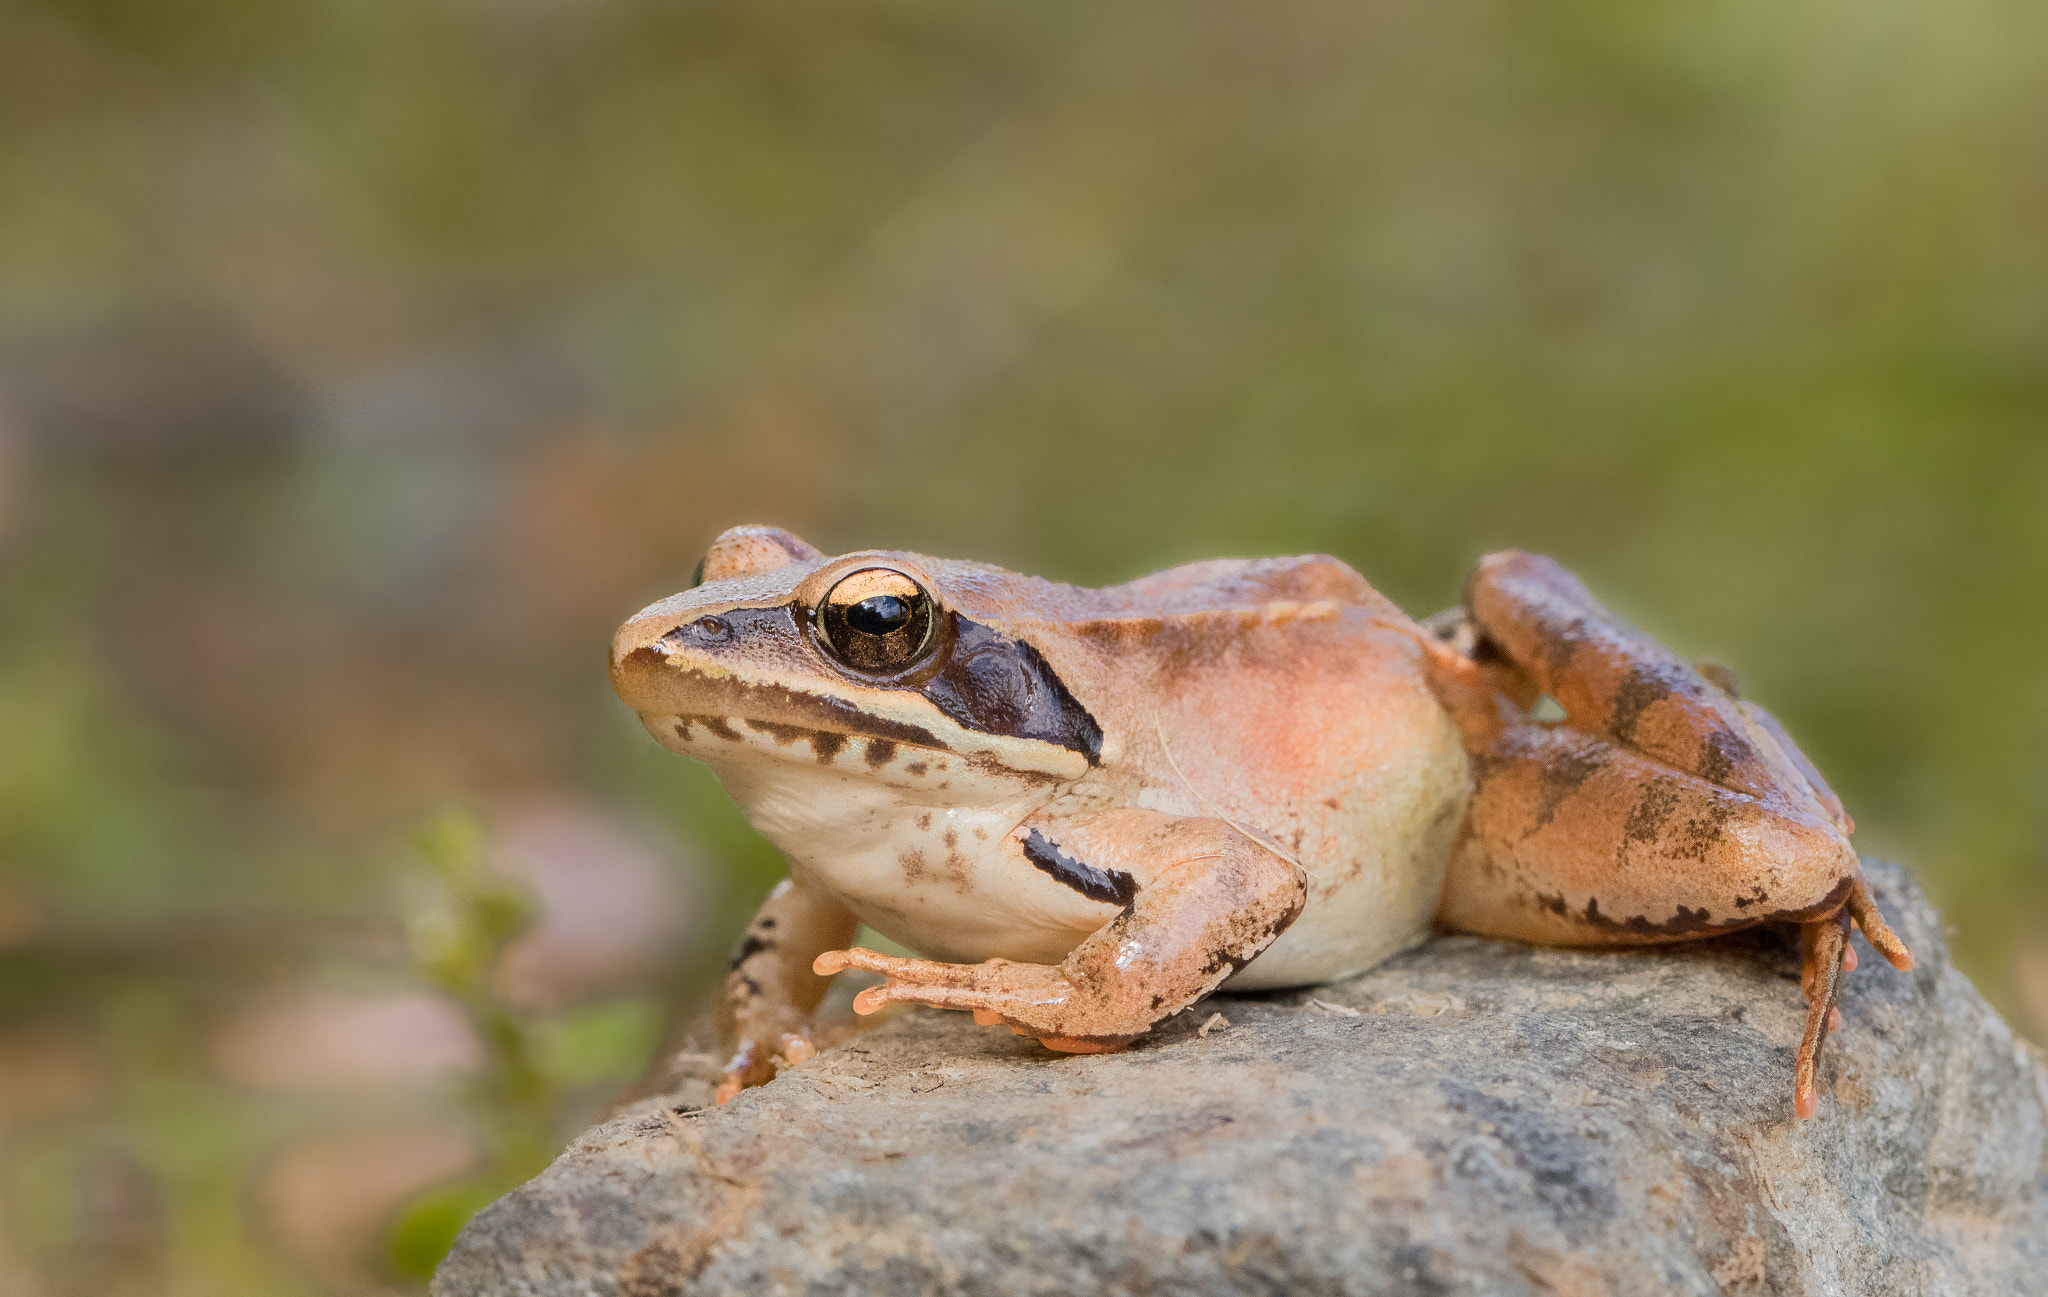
(1082,810)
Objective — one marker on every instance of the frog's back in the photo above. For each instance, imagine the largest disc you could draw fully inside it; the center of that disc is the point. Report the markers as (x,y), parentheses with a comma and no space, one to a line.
(997,596)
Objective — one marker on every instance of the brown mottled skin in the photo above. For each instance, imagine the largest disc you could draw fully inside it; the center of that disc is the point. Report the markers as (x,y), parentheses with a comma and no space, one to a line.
(1661,790)
(1092,807)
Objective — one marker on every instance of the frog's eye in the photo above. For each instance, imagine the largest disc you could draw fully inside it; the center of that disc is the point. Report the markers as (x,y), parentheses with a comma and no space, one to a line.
(877,620)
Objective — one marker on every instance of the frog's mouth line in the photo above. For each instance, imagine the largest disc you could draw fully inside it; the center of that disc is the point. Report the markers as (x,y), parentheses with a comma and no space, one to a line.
(824,744)
(654,687)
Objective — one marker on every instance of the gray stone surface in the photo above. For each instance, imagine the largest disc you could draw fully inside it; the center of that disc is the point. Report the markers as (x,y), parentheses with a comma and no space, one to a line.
(1473,1117)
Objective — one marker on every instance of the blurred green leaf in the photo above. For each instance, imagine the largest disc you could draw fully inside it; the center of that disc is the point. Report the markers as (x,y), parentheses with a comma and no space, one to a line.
(425,1228)
(608,1042)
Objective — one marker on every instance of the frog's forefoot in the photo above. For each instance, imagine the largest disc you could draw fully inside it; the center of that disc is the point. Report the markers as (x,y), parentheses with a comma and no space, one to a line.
(1033,1000)
(1825,956)
(755,1062)
(995,990)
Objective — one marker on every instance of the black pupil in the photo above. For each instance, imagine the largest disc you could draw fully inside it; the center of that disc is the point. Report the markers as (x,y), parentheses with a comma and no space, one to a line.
(878,615)
(877,621)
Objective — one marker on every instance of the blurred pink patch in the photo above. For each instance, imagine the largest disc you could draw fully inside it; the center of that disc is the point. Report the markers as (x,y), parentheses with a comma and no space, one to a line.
(21,919)
(48,1071)
(612,908)
(324,1198)
(333,1041)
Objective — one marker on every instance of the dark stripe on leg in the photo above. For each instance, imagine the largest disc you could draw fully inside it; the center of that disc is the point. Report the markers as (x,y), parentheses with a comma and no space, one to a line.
(1113,886)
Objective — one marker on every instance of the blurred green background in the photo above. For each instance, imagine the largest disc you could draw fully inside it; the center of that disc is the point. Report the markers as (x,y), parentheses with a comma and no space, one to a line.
(364,362)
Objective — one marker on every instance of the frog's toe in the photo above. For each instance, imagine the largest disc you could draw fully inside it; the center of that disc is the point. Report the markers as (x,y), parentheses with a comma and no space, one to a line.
(1822,945)
(757,1063)
(1825,956)
(1863,910)
(1035,1000)
(987,1003)
(897,968)
(995,990)
(795,1051)
(1033,1007)
(749,1066)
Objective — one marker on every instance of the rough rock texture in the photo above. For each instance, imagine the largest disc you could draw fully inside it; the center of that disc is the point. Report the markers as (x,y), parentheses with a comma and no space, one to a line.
(1473,1117)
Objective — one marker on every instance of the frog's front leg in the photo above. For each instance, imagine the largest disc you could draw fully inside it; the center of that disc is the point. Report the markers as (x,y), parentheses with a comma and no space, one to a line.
(1661,808)
(769,992)
(1215,896)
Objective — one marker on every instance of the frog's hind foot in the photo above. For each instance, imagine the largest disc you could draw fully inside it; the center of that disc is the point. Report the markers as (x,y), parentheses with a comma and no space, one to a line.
(1825,954)
(757,1062)
(1863,910)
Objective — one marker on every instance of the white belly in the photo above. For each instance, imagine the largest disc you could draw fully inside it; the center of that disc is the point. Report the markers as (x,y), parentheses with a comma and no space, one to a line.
(1377,877)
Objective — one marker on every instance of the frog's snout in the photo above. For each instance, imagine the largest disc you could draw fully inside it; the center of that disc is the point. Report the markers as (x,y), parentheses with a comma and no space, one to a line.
(700,632)
(641,651)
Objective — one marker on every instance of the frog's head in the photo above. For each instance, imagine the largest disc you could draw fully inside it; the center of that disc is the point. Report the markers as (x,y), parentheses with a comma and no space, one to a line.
(872,664)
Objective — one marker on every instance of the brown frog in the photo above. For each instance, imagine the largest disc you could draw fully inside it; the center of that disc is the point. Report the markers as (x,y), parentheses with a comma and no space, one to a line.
(1090,808)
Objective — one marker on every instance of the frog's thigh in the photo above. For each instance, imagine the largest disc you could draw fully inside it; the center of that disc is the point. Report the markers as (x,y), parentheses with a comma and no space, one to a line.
(1573,840)
(1611,680)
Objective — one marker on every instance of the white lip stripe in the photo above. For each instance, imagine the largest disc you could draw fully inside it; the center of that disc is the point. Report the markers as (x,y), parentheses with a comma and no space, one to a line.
(901,706)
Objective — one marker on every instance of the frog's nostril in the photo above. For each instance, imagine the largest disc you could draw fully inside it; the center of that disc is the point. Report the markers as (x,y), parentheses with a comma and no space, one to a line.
(704,630)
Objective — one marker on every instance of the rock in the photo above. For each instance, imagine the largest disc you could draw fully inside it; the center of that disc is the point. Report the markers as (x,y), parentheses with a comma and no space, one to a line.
(1471,1117)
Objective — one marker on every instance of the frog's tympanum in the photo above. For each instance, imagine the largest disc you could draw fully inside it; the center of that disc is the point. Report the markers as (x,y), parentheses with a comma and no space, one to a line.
(1089,808)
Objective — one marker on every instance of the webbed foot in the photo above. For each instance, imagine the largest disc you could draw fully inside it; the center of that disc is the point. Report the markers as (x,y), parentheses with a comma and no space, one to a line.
(1825,955)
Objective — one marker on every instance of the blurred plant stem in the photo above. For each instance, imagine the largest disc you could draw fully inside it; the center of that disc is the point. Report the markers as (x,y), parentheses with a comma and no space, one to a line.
(459,918)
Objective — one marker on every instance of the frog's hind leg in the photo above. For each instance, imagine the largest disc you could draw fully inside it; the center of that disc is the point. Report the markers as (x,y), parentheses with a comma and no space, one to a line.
(1660,809)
